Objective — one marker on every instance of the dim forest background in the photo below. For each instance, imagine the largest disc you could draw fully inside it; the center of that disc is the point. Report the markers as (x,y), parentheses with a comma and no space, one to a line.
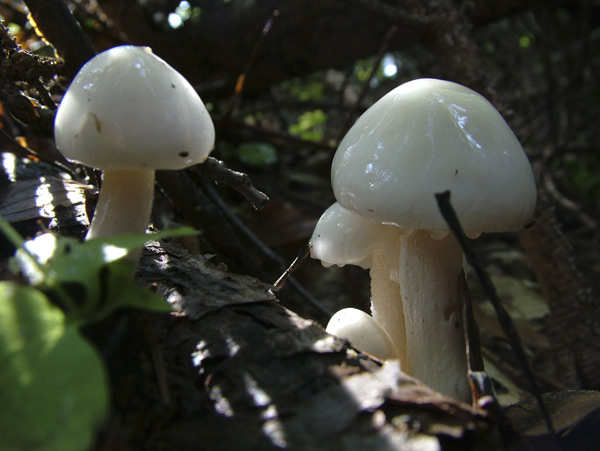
(283,81)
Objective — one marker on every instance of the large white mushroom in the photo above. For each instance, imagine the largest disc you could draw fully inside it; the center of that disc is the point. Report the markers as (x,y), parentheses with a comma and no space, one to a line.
(425,137)
(129,113)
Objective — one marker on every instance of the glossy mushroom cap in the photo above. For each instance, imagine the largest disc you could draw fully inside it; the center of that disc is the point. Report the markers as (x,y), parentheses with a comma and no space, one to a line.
(425,137)
(128,109)
(342,237)
(363,332)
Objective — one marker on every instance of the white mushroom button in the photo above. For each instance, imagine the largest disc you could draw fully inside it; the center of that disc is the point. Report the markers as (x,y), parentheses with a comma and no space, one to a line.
(128,113)
(425,137)
(363,332)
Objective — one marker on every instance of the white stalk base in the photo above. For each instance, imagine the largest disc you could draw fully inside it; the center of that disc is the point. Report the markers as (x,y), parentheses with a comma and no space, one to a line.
(125,203)
(429,284)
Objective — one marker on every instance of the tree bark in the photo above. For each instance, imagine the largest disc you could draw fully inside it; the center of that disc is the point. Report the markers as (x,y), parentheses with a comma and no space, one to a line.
(232,369)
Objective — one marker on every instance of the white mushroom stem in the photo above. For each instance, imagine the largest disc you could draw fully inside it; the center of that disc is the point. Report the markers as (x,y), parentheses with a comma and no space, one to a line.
(429,283)
(386,301)
(124,204)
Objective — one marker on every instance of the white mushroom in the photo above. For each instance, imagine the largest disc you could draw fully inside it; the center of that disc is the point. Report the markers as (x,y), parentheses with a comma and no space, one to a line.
(343,237)
(425,137)
(363,332)
(129,113)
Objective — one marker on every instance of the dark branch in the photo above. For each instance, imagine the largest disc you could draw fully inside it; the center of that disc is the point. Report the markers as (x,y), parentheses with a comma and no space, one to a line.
(447,211)
(54,20)
(216,171)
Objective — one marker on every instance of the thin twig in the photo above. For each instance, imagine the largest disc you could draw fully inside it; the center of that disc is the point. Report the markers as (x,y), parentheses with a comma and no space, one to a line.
(471,331)
(262,247)
(589,222)
(239,86)
(302,255)
(447,211)
(382,49)
(480,382)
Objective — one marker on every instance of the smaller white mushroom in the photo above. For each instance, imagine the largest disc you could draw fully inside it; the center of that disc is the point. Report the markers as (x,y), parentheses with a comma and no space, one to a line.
(363,332)
(128,113)
(343,237)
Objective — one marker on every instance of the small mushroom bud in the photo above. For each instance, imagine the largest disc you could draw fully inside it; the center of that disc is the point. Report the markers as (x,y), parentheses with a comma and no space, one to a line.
(363,332)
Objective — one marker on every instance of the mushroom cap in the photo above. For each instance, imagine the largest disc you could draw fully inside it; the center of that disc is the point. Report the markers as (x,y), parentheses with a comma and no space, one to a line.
(425,137)
(363,331)
(128,109)
(344,237)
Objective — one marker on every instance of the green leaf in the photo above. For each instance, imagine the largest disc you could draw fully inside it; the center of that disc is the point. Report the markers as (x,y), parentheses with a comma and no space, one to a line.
(305,90)
(309,125)
(106,246)
(122,291)
(256,154)
(525,40)
(54,389)
(96,270)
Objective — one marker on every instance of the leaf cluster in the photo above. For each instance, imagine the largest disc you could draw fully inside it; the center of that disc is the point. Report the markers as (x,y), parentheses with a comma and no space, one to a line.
(53,379)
